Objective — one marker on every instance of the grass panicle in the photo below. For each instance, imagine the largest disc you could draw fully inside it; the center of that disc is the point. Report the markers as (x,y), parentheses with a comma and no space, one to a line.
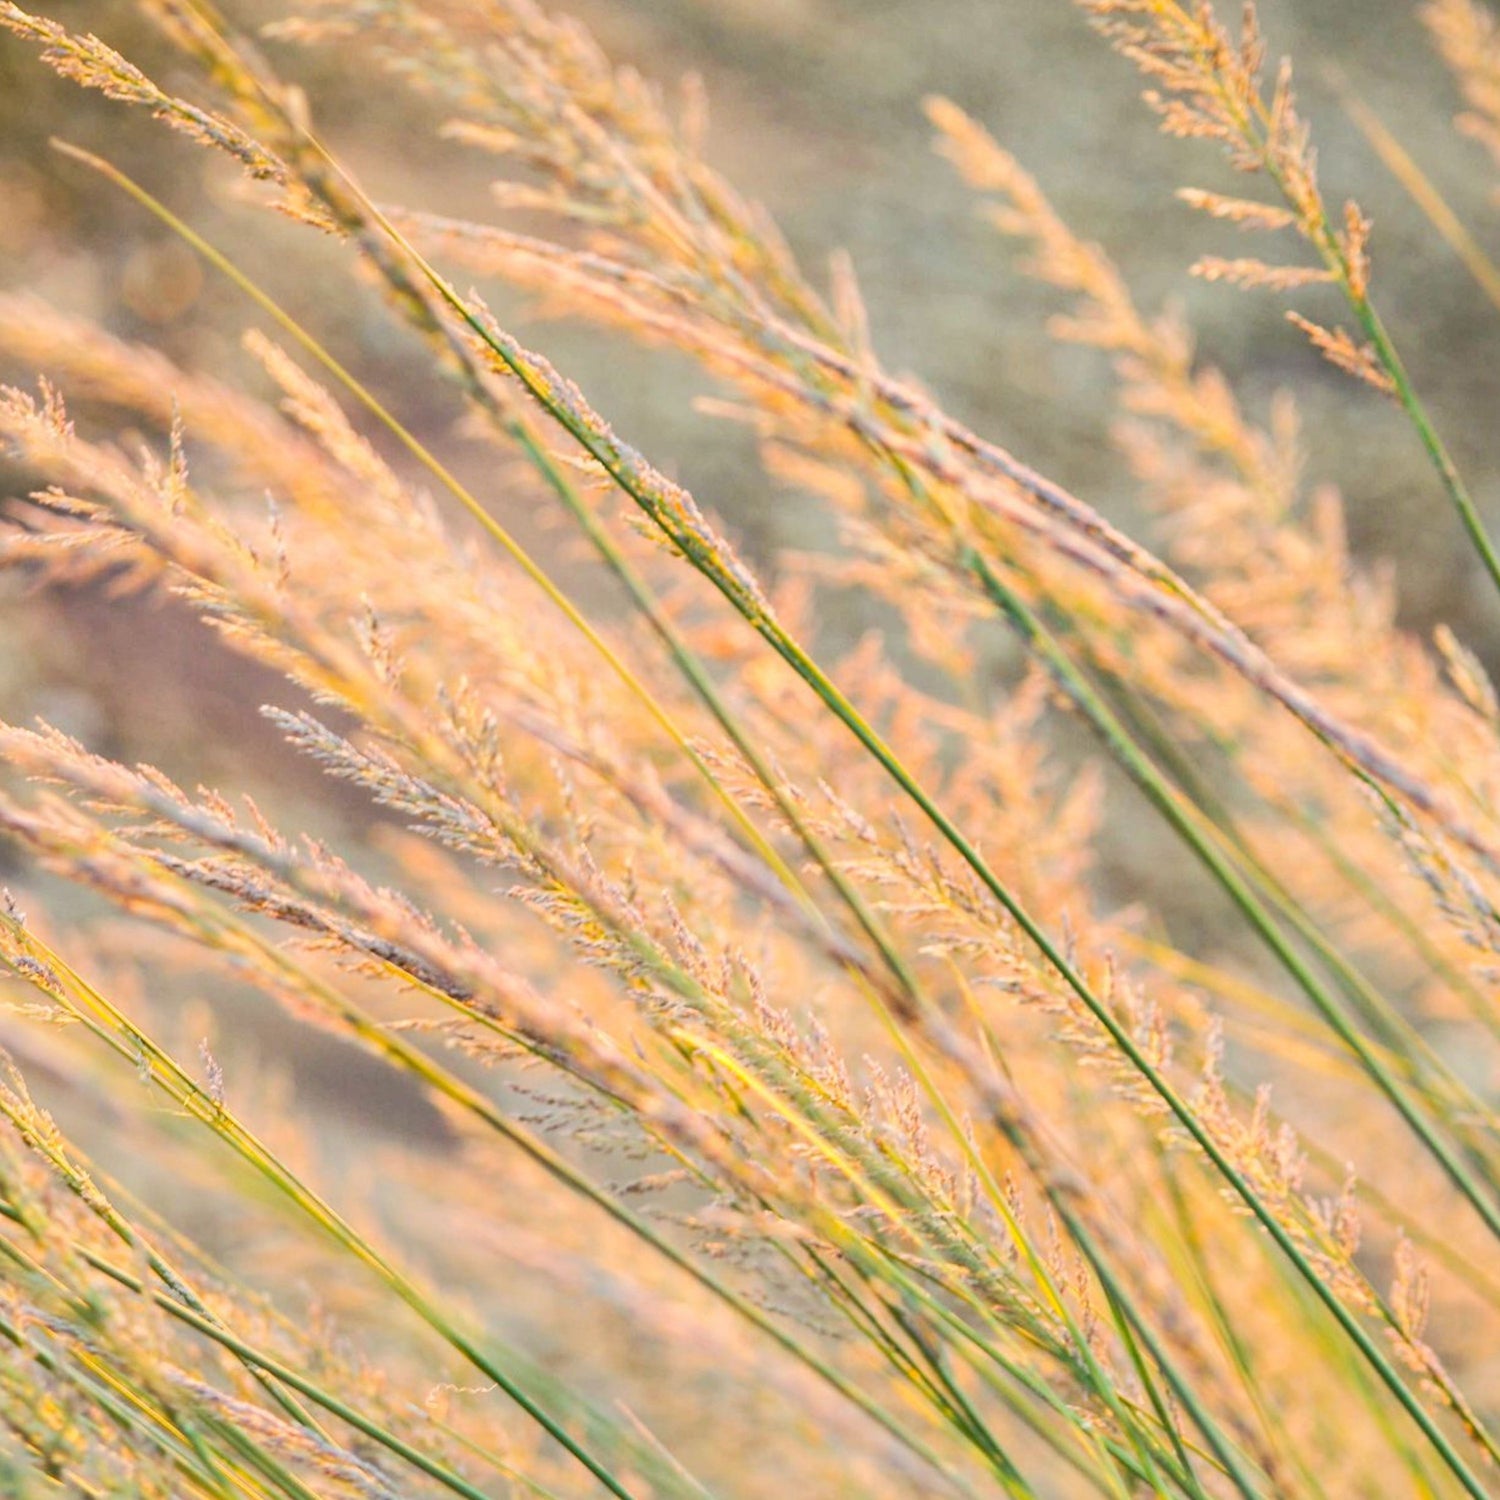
(802,1111)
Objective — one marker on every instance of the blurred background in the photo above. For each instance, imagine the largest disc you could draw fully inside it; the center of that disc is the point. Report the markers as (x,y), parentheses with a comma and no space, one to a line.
(816,110)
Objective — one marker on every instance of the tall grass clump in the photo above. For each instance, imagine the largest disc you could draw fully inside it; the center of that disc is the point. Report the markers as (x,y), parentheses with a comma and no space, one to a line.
(803,1114)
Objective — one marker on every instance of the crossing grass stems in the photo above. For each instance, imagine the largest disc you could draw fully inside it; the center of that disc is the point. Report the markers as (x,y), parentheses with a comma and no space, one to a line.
(813,1124)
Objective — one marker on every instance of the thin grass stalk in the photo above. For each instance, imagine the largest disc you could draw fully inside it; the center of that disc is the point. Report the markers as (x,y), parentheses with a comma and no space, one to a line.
(1399,1036)
(255,1356)
(1065,977)
(130,1041)
(1149,1384)
(265,1366)
(881,1262)
(1007,1121)
(412,1059)
(1426,1480)
(87,1363)
(429,460)
(977,1163)
(1181,817)
(1123,1306)
(281,1373)
(886,1264)
(126,1410)
(1407,1045)
(961,1410)
(1162,795)
(170,1277)
(243,1476)
(1420,188)
(992,1367)
(258,1459)
(1256,133)
(829,694)
(1452,481)
(1222,1321)
(832,698)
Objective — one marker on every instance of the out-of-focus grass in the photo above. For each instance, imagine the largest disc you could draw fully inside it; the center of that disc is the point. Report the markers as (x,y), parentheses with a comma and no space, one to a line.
(898,1150)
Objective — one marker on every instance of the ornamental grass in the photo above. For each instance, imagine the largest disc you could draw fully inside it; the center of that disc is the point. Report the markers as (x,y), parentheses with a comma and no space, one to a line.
(797,1111)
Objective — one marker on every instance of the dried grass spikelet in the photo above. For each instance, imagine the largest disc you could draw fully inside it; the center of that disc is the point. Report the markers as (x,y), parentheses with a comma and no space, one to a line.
(1228,490)
(93,1288)
(908,867)
(92,64)
(1210,86)
(1338,348)
(1468,39)
(940,1169)
(383,777)
(1256,273)
(385,780)
(1096,545)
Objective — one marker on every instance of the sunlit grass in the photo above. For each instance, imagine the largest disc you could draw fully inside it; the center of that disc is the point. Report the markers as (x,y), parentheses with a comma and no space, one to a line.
(769,996)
